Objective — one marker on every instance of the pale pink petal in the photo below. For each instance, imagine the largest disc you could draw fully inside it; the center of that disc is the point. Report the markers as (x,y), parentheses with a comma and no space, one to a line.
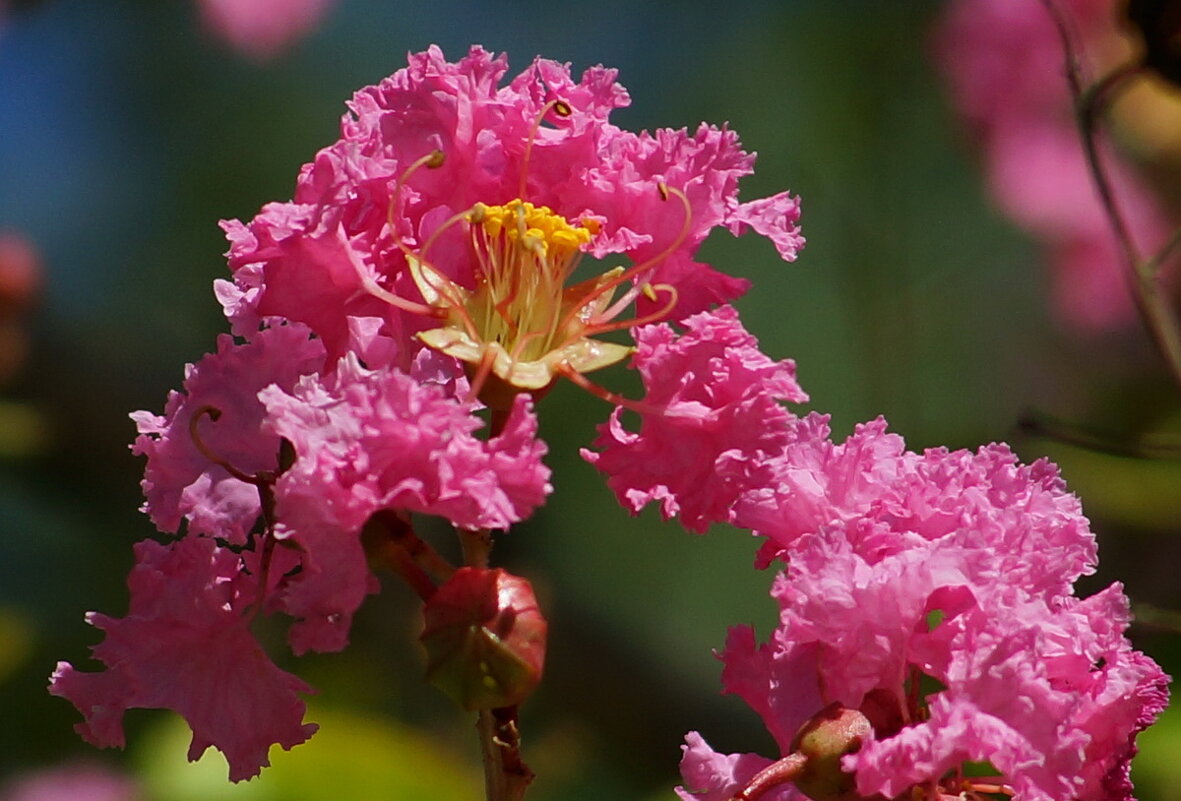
(1005,65)
(74,781)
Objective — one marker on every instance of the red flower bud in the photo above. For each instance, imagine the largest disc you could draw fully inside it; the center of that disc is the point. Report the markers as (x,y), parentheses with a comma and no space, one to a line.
(484,638)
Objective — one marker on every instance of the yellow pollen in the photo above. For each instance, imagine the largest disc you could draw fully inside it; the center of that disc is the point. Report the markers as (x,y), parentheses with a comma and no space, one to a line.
(537,228)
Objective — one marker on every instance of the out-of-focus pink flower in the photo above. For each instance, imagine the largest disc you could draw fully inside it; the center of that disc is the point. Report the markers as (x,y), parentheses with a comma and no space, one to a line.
(186,645)
(21,278)
(77,782)
(261,29)
(952,566)
(711,416)
(1006,68)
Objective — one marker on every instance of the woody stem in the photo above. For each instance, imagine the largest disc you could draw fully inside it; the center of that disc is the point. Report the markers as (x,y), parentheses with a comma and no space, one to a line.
(1142,275)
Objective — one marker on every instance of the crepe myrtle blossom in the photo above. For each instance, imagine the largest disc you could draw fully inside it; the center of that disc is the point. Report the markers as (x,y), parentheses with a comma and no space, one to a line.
(931,596)
(1005,66)
(262,29)
(454,212)
(424,270)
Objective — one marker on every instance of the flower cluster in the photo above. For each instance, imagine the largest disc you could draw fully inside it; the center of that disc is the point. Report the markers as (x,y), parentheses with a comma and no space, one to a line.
(421,286)
(1004,62)
(423,270)
(933,590)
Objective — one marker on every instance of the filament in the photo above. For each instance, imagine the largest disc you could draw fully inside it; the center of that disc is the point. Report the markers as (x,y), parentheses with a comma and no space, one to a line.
(647,264)
(559,107)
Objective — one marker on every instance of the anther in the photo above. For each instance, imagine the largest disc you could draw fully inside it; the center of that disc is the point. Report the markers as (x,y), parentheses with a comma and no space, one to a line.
(562,108)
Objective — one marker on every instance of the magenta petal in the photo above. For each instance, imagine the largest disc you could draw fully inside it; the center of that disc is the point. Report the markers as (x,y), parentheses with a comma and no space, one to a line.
(186,645)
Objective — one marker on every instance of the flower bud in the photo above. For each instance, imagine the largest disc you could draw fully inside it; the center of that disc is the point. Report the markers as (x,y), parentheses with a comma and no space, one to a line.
(484,638)
(824,739)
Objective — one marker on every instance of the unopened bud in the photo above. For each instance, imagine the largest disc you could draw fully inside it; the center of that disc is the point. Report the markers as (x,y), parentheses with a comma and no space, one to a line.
(826,737)
(484,638)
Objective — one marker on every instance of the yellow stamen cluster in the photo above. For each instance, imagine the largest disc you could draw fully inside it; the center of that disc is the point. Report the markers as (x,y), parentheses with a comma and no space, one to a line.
(526,254)
(536,228)
(521,324)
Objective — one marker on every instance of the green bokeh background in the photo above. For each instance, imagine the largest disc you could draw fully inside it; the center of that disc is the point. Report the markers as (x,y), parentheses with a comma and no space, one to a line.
(126,133)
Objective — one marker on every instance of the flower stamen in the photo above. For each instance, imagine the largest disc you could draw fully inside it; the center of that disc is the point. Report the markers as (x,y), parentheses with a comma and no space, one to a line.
(559,107)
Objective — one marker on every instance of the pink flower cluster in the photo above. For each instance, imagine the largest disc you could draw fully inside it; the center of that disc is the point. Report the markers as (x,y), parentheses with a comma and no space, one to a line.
(325,408)
(1006,68)
(938,584)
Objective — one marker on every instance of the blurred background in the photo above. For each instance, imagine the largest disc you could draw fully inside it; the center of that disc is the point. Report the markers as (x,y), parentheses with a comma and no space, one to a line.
(127,131)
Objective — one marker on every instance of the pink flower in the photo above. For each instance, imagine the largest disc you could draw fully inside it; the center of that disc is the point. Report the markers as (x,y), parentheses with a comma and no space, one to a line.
(711,415)
(947,566)
(186,645)
(261,29)
(377,200)
(1006,67)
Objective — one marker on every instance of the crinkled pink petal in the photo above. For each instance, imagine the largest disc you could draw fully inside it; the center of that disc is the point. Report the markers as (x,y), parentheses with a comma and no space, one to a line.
(774,217)
(261,29)
(813,482)
(368,440)
(758,674)
(985,498)
(715,414)
(710,776)
(186,645)
(957,566)
(180,482)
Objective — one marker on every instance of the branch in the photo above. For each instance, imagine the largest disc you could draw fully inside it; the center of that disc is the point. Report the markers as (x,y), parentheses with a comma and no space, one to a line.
(1143,275)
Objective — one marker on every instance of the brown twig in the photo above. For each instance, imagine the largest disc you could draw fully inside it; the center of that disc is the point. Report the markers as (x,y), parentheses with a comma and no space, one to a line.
(1143,275)
(506,776)
(1036,424)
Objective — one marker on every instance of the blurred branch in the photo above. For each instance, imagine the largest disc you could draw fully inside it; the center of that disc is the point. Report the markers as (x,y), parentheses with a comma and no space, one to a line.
(1143,275)
(1154,617)
(1036,424)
